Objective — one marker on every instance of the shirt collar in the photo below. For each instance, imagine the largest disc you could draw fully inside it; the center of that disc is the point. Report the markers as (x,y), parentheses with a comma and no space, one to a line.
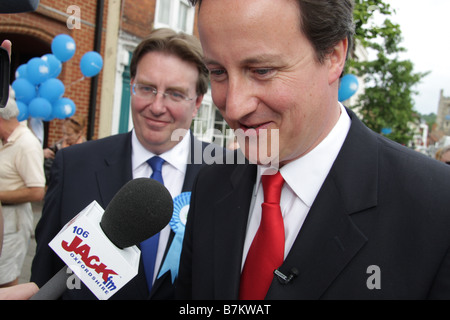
(177,156)
(306,175)
(16,134)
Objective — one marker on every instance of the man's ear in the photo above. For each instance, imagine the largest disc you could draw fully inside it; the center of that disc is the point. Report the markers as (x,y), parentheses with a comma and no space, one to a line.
(198,103)
(336,60)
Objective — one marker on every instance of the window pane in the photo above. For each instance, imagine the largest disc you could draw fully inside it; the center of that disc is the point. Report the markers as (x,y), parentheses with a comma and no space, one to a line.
(182,16)
(164,11)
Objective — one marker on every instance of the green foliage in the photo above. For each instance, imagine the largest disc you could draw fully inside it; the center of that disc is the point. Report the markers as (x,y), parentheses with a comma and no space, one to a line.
(388,98)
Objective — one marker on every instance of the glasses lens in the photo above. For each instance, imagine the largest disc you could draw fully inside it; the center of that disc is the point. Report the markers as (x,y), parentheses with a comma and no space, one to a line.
(149,93)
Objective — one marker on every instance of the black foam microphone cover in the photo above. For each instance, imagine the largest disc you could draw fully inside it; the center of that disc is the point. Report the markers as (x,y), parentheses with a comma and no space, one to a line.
(18,6)
(141,209)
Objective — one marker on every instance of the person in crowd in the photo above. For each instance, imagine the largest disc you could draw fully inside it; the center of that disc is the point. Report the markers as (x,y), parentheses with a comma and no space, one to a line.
(73,129)
(22,181)
(168,82)
(443,155)
(335,211)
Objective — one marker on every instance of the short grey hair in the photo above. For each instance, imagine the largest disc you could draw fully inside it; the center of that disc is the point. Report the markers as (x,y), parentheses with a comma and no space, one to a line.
(10,110)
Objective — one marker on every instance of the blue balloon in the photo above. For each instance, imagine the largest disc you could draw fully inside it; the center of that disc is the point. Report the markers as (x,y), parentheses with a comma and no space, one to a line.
(63,108)
(24,89)
(91,63)
(40,108)
(54,64)
(52,89)
(348,87)
(37,71)
(23,111)
(63,47)
(21,71)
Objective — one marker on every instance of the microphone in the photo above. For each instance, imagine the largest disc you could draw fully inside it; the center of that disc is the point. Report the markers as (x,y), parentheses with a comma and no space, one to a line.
(18,6)
(100,248)
(11,6)
(285,279)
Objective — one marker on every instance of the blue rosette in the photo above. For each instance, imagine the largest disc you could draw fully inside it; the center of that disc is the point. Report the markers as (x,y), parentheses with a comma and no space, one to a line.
(177,223)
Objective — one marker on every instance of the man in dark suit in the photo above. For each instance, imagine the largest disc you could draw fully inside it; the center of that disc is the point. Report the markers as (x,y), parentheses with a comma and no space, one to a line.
(360,217)
(169,80)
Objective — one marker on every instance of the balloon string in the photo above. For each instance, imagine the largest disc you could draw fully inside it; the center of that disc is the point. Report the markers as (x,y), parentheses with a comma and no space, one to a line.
(81,79)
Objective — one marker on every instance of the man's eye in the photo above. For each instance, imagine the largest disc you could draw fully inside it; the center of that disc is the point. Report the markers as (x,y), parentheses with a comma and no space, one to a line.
(217,73)
(263,71)
(176,95)
(147,89)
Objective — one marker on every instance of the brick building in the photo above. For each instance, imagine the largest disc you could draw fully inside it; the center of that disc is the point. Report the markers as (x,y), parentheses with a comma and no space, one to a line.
(113,28)
(32,34)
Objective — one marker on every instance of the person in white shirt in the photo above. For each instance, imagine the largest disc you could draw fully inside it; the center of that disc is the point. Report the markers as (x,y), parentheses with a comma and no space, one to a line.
(22,181)
(349,214)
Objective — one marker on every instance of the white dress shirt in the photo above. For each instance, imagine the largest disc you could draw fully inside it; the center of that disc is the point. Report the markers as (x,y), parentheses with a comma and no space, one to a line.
(173,173)
(303,179)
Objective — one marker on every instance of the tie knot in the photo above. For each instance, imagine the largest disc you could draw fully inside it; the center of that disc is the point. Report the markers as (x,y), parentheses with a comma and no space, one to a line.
(272,185)
(156,163)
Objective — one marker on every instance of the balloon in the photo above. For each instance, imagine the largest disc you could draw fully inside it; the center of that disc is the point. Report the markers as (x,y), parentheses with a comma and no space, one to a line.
(23,111)
(386,131)
(52,89)
(348,87)
(63,47)
(38,70)
(24,89)
(63,108)
(91,63)
(40,108)
(54,64)
(21,71)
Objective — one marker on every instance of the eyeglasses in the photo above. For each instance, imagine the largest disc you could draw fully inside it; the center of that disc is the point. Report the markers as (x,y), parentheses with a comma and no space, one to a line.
(149,93)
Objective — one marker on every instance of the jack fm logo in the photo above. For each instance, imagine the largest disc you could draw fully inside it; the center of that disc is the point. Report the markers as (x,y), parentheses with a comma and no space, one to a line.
(84,250)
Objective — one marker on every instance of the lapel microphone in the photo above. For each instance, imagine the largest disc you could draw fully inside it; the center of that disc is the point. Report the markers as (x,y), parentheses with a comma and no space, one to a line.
(285,279)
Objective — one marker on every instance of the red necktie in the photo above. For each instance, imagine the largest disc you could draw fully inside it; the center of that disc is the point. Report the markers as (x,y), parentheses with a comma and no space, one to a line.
(267,250)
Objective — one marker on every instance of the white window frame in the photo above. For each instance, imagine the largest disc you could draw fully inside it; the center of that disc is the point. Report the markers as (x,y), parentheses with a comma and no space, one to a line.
(174,15)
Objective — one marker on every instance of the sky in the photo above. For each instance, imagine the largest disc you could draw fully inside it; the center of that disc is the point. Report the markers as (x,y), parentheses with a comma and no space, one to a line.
(425,27)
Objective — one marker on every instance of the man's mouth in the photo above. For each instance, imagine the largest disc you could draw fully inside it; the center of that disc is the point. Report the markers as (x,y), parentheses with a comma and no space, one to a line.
(250,129)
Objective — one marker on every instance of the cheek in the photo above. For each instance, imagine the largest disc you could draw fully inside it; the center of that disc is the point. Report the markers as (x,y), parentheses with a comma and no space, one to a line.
(137,105)
(219,94)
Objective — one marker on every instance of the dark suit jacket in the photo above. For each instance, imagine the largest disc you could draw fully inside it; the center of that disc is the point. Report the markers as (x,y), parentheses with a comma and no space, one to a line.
(381,218)
(94,170)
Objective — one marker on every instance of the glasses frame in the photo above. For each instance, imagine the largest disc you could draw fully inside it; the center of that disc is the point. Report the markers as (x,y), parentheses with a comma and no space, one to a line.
(164,94)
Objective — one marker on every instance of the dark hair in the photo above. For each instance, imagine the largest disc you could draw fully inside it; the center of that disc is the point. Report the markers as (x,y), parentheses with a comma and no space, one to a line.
(184,46)
(324,22)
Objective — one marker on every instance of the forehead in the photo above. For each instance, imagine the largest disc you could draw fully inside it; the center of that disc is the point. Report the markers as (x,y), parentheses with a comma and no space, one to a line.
(159,66)
(252,13)
(253,27)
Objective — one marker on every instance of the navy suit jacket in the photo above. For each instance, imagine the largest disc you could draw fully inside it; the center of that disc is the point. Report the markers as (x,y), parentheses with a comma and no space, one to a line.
(378,229)
(94,170)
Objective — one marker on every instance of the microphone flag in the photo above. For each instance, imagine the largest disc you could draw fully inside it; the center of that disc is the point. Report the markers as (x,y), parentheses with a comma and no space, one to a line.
(87,251)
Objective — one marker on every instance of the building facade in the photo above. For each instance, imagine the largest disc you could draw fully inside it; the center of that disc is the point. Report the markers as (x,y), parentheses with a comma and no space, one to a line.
(443,116)
(113,28)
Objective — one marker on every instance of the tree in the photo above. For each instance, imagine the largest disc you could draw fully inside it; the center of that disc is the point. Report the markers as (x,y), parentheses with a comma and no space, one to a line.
(387,102)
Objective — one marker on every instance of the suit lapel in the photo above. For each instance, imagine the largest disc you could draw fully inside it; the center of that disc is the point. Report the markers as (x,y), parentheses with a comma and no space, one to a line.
(230,222)
(116,171)
(111,178)
(329,238)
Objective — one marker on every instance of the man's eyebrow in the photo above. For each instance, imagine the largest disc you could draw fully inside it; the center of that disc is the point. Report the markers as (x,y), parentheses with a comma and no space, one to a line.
(207,61)
(261,58)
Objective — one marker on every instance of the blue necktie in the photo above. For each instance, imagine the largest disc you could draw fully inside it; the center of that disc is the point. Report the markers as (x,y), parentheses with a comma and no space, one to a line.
(149,247)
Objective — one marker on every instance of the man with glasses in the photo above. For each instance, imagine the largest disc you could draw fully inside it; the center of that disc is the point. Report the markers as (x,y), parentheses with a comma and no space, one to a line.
(168,81)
